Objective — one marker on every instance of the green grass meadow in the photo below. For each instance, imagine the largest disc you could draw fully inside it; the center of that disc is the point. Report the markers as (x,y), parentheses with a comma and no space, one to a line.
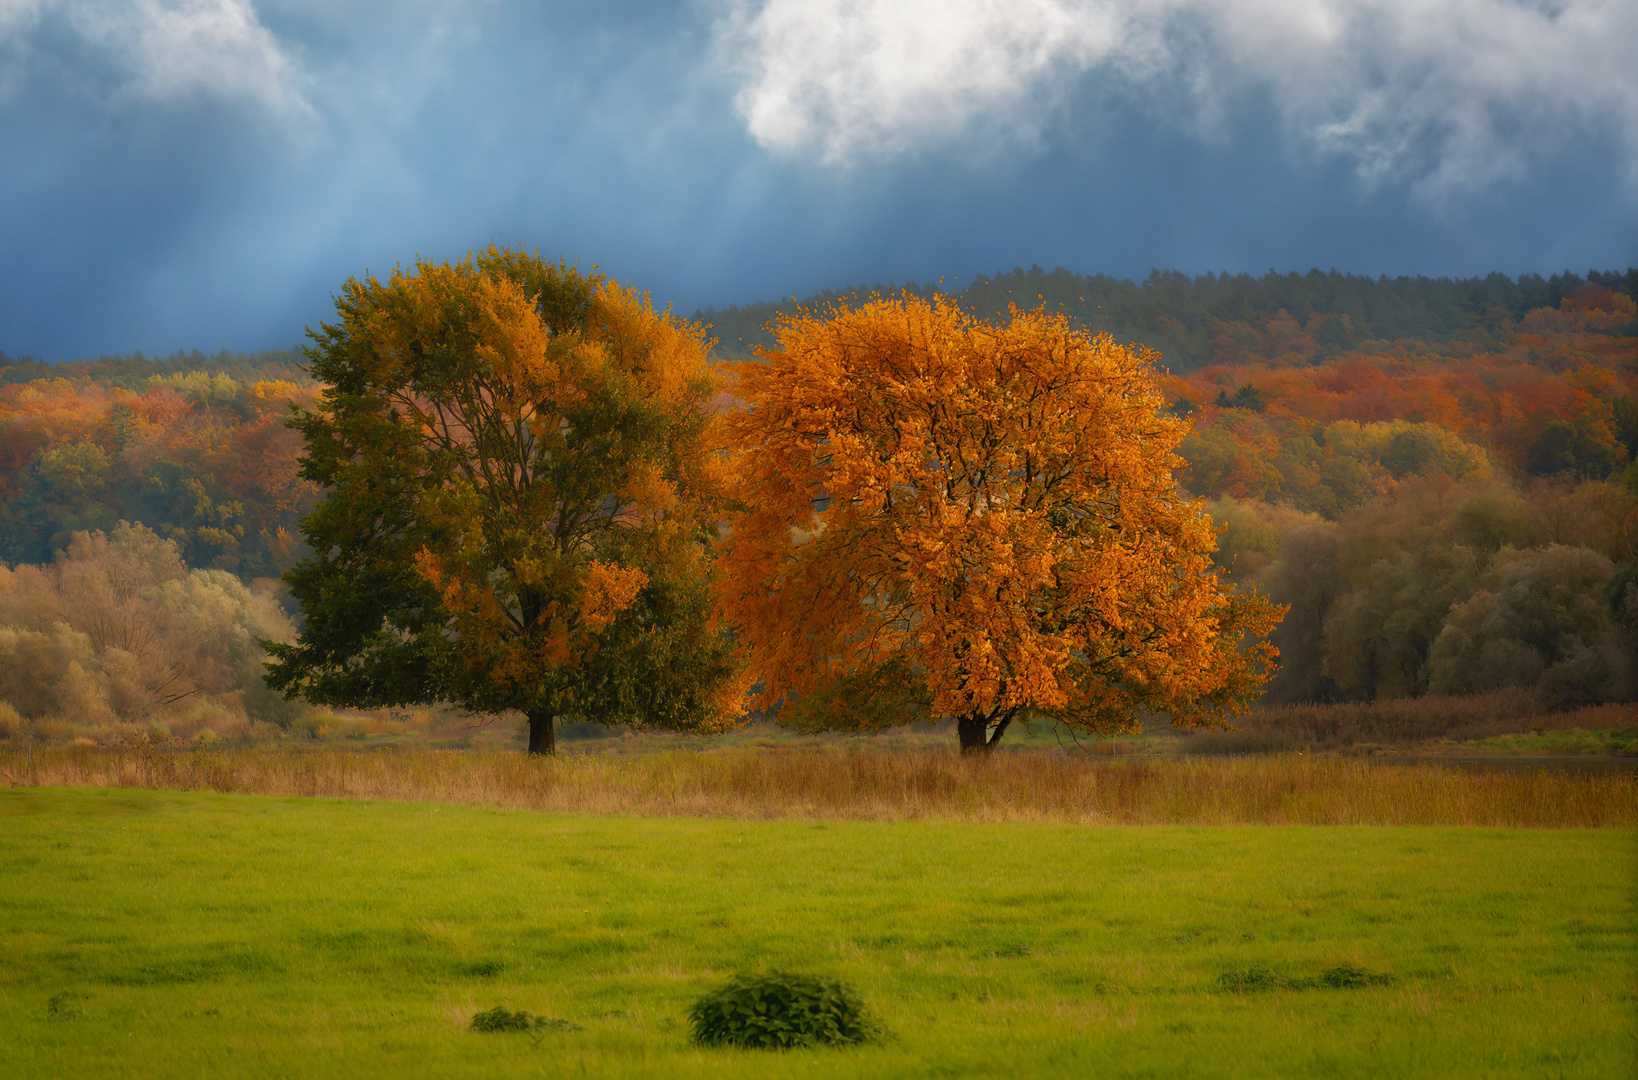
(159,934)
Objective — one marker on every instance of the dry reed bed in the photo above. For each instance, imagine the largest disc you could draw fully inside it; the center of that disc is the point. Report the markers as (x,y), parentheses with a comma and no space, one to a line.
(868,784)
(1404,721)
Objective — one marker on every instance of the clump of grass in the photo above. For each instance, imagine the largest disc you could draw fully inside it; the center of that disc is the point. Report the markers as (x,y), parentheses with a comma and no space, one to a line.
(1343,977)
(1349,977)
(781,1010)
(1243,980)
(64,1006)
(486,968)
(499,1019)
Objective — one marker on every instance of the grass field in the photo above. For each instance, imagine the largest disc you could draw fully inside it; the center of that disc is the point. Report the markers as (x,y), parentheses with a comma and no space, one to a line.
(164,934)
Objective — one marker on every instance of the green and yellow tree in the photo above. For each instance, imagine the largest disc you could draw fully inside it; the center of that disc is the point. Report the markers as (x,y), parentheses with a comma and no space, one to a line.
(521,489)
(955,518)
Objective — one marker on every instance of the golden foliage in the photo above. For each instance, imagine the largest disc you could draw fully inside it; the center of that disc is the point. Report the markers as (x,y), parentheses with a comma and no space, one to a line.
(983,511)
(609,590)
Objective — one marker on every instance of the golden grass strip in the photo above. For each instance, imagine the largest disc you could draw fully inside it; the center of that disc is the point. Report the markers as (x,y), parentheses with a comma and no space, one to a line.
(871,784)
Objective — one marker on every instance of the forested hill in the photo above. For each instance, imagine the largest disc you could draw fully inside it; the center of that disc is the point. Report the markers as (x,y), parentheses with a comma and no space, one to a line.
(1231,318)
(134,371)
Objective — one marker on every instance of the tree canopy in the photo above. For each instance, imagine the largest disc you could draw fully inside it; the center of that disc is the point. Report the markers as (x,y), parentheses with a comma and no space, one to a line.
(520,490)
(943,516)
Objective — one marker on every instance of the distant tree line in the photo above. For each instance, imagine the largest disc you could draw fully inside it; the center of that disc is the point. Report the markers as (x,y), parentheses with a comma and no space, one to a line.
(1195,321)
(131,372)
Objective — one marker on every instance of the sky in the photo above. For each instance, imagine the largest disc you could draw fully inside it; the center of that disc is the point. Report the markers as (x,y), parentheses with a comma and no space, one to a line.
(180,174)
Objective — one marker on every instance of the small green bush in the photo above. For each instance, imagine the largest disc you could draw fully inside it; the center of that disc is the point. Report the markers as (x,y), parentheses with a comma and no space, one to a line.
(499,1019)
(781,1010)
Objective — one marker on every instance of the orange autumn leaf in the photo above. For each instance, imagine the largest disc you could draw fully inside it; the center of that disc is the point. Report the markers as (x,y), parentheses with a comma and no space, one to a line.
(609,590)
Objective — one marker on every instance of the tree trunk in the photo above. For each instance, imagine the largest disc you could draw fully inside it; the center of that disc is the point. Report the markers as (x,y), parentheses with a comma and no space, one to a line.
(542,734)
(974,731)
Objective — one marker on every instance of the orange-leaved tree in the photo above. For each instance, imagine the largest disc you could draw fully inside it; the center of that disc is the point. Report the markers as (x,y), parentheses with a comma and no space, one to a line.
(947,517)
(522,487)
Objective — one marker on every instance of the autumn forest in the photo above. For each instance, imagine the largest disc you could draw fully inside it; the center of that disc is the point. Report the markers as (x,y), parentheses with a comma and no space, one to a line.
(1438,479)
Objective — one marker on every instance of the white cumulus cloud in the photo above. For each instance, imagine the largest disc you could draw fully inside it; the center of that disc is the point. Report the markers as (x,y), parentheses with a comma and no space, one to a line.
(1447,94)
(157,50)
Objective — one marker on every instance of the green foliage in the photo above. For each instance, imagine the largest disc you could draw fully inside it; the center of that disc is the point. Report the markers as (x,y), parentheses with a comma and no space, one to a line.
(1378,635)
(1580,448)
(1448,588)
(499,1019)
(1621,593)
(780,1010)
(1419,449)
(1493,518)
(1307,578)
(1624,423)
(198,386)
(1247,397)
(1542,620)
(78,470)
(1251,533)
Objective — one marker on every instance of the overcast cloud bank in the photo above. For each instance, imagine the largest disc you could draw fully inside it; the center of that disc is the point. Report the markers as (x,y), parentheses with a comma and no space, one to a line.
(150,50)
(1453,94)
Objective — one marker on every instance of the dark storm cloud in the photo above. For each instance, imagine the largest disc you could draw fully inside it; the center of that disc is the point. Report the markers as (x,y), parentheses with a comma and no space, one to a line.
(206,172)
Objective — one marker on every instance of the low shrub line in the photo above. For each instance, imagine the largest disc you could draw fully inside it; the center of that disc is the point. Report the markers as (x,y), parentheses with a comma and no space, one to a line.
(1403,722)
(871,784)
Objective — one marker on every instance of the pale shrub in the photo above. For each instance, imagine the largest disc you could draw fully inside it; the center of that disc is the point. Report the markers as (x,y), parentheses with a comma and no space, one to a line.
(119,631)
